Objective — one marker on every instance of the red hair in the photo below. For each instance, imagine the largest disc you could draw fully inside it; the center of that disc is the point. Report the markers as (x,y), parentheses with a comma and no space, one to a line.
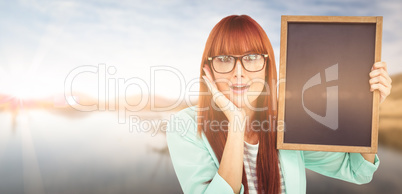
(237,35)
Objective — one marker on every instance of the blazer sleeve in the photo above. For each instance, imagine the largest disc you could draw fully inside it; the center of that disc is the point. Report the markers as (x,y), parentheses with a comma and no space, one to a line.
(350,167)
(191,159)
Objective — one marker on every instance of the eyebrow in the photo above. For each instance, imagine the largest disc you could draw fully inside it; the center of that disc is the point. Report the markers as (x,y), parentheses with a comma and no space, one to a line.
(245,53)
(249,52)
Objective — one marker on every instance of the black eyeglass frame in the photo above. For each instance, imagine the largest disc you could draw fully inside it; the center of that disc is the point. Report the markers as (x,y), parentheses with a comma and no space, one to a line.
(210,60)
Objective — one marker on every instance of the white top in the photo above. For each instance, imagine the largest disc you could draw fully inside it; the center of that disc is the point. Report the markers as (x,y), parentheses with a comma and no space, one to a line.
(250,165)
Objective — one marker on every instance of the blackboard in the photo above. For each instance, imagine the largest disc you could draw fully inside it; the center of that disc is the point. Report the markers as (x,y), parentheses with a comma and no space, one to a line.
(325,103)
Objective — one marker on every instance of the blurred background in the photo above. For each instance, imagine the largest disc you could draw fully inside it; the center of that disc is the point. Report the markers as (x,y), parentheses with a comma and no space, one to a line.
(70,69)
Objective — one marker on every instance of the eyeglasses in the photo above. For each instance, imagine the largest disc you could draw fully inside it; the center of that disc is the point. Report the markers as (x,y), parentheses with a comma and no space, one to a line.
(226,63)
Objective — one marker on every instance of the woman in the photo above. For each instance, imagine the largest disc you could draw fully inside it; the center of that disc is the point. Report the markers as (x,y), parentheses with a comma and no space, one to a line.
(223,145)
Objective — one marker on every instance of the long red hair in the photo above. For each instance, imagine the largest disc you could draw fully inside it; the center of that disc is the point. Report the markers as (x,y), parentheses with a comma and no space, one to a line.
(237,35)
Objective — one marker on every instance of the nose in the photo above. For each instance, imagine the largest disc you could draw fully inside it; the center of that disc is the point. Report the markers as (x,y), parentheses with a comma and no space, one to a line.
(239,70)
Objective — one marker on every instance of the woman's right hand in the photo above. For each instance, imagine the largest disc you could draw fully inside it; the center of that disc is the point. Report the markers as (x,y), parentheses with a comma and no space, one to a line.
(231,111)
(231,164)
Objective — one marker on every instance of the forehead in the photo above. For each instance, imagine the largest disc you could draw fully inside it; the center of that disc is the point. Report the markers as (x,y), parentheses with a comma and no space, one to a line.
(248,53)
(237,45)
(235,55)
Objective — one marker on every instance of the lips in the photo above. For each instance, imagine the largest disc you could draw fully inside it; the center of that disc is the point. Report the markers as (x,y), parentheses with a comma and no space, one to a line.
(239,88)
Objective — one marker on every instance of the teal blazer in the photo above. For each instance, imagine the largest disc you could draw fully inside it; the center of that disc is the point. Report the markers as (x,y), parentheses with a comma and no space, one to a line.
(195,162)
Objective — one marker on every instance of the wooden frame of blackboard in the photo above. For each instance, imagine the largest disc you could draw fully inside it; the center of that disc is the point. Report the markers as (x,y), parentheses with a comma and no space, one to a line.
(281,125)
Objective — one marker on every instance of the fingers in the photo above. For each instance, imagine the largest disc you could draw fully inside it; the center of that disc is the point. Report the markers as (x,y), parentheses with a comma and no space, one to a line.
(380,68)
(214,90)
(208,72)
(379,65)
(380,80)
(220,99)
(384,90)
(380,72)
(209,84)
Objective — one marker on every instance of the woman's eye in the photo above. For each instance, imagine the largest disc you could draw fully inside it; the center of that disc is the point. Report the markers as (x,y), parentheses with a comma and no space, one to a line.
(250,57)
(224,58)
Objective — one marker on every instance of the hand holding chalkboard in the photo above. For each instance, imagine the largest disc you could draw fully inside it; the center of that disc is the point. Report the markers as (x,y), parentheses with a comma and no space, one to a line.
(324,100)
(380,80)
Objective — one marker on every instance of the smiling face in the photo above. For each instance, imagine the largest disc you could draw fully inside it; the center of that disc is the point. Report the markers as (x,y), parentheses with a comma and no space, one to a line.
(240,86)
(237,36)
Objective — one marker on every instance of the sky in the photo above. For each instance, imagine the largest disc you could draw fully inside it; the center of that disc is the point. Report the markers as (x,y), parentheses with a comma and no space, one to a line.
(157,44)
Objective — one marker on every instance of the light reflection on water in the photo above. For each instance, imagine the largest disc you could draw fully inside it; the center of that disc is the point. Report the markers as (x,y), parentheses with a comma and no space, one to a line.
(46,153)
(42,152)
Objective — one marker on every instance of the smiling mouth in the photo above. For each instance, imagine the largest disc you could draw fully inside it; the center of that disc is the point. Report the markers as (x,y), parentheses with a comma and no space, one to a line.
(239,88)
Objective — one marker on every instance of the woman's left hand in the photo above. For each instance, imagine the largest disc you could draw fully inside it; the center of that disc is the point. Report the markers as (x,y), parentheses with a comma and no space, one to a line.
(380,80)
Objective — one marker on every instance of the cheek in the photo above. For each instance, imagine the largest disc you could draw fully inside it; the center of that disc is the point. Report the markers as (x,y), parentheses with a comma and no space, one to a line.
(258,82)
(222,82)
(222,86)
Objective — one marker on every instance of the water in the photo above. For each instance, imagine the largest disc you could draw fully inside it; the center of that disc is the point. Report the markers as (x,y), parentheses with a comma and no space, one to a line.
(48,152)
(91,153)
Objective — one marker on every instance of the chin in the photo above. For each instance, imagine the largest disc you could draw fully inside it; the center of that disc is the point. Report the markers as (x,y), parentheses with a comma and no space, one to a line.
(240,101)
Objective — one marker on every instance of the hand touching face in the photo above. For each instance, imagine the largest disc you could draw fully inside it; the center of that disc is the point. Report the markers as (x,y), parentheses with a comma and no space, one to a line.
(240,86)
